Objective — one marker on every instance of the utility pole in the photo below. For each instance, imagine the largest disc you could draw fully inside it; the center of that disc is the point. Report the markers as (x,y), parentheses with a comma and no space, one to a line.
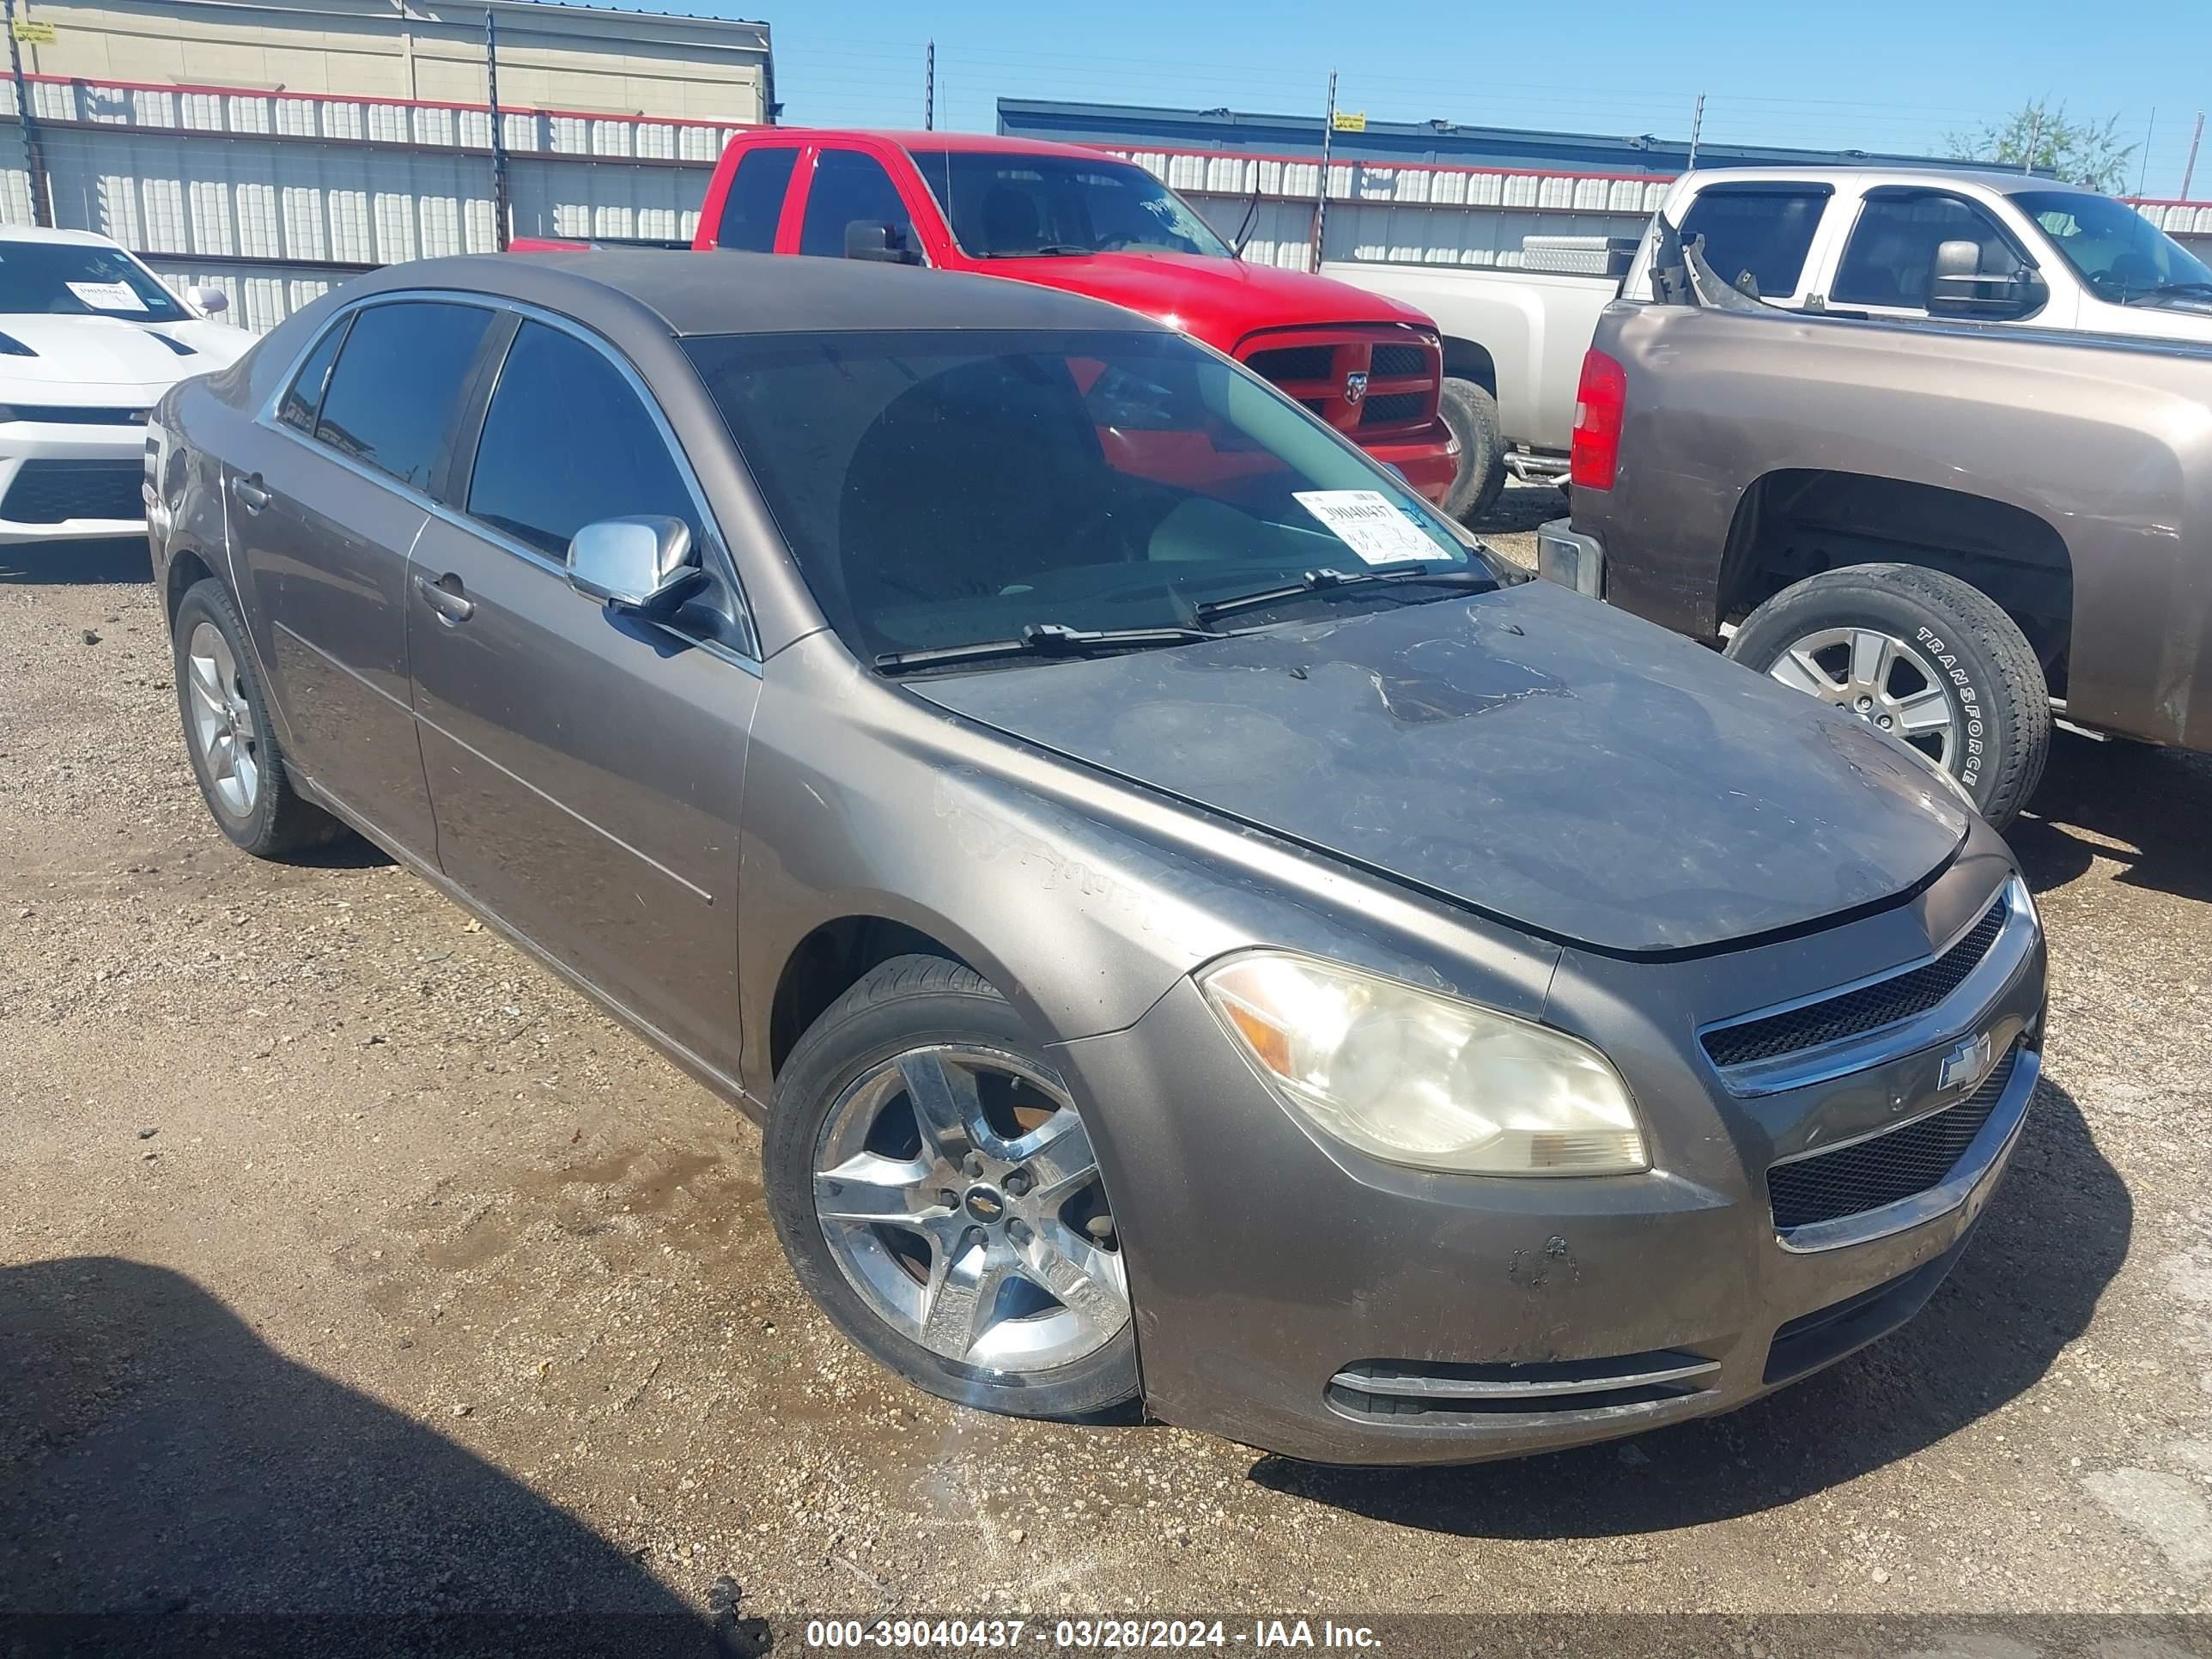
(929,88)
(501,210)
(2188,172)
(35,155)
(1696,125)
(1320,196)
(2034,141)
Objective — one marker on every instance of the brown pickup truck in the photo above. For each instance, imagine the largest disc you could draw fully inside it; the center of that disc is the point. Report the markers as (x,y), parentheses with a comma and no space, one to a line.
(1953,530)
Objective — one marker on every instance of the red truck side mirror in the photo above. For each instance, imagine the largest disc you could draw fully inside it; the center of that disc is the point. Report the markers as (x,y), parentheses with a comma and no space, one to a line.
(887,243)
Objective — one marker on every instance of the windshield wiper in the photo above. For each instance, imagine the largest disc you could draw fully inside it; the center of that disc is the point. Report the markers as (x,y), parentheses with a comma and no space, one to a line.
(1046,640)
(1329,581)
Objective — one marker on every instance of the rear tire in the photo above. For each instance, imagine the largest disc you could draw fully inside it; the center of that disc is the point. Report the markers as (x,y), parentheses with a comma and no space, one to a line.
(1952,652)
(235,754)
(1472,415)
(965,1244)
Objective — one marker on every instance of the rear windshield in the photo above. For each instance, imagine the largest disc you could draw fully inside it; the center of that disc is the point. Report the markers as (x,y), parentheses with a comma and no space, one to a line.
(78,279)
(1025,207)
(946,489)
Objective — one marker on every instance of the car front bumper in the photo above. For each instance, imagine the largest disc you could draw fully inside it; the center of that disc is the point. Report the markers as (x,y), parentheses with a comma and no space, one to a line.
(1295,1295)
(67,482)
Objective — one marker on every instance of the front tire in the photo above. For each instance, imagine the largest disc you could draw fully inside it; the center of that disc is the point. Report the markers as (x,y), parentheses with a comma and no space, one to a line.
(1472,415)
(235,754)
(1925,656)
(934,1188)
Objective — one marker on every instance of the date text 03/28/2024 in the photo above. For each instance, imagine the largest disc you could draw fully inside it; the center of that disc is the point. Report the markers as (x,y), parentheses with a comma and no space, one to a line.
(1085,1634)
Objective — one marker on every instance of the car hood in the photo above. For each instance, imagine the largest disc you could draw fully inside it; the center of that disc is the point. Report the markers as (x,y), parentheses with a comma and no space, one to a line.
(1530,754)
(107,352)
(1220,301)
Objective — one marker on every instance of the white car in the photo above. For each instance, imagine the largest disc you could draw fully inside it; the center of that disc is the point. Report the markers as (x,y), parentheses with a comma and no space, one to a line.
(89,339)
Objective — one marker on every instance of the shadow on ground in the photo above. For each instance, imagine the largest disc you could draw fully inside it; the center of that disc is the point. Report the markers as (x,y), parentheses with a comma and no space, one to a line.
(2145,808)
(125,559)
(2049,1241)
(159,1461)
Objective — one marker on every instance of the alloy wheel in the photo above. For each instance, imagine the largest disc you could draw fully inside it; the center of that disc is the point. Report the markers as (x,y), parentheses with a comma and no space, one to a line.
(222,721)
(1885,681)
(959,1194)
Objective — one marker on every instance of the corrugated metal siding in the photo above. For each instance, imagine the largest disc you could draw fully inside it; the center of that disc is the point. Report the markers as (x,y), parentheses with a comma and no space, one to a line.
(275,197)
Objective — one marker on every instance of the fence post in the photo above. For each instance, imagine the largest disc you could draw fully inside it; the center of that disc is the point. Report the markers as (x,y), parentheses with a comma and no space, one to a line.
(35,155)
(1320,196)
(503,211)
(2188,171)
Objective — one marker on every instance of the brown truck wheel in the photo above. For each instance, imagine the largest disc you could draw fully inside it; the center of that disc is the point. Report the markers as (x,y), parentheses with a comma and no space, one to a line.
(1925,657)
(1472,415)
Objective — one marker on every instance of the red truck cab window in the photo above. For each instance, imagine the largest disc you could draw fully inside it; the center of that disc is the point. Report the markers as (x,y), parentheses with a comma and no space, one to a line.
(754,206)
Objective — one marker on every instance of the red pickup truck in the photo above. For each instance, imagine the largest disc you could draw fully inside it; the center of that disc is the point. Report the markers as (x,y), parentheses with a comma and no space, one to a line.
(1091,224)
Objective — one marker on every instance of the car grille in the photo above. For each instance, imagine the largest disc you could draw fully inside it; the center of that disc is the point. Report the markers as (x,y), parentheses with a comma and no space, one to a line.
(1404,1390)
(1857,1012)
(1888,1168)
(1310,363)
(1401,378)
(78,414)
(48,492)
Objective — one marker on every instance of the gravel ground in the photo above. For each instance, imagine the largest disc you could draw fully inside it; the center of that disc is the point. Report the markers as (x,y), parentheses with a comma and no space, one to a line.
(351,1265)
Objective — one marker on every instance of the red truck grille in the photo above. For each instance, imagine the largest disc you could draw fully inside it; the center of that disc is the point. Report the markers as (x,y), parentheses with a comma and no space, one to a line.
(1371,382)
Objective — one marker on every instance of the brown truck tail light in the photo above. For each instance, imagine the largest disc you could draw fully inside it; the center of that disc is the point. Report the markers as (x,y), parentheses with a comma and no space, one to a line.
(1600,397)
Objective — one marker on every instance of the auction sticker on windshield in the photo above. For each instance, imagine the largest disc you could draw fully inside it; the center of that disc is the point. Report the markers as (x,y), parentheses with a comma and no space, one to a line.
(106,296)
(1370,524)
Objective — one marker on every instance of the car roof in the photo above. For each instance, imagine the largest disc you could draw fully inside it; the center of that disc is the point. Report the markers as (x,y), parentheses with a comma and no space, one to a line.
(2008,181)
(989,142)
(719,292)
(34,233)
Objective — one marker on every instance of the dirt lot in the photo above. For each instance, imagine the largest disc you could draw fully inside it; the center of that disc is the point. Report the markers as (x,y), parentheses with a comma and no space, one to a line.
(349,1264)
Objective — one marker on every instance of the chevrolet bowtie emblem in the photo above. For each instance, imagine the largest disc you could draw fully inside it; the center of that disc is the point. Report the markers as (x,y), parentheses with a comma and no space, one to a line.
(1966,1065)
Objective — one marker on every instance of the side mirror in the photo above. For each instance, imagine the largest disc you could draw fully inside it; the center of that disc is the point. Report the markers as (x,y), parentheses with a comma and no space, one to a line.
(212,301)
(638,564)
(885,244)
(1958,286)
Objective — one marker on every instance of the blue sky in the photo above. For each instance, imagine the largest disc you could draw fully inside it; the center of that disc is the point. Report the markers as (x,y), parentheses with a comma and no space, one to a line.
(1877,74)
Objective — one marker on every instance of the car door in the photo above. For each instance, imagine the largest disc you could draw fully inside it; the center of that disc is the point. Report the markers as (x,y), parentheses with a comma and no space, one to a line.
(849,187)
(323,513)
(586,765)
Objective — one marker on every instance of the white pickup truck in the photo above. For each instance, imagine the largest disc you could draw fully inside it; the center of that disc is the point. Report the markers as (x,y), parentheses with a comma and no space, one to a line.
(1972,243)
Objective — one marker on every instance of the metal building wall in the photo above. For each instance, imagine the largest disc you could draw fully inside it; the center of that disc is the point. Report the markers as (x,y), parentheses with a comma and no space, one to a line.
(274,198)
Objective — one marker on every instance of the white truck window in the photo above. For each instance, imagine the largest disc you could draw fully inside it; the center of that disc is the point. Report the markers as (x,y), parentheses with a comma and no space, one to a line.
(1892,251)
(1762,231)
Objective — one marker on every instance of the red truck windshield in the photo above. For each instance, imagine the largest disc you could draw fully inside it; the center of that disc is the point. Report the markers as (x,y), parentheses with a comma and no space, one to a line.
(1024,207)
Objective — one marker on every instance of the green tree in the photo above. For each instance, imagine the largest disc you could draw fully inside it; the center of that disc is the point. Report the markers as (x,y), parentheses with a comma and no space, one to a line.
(2084,152)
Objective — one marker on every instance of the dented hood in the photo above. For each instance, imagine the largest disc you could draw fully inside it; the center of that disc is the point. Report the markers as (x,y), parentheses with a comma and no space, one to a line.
(1533,755)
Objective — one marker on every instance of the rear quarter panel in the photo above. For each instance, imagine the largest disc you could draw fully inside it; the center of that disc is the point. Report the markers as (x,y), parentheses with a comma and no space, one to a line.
(2108,442)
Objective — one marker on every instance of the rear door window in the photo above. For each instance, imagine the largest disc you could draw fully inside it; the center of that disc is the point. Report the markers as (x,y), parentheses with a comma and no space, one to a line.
(755,204)
(391,399)
(303,398)
(568,442)
(849,188)
(1762,231)
(1891,256)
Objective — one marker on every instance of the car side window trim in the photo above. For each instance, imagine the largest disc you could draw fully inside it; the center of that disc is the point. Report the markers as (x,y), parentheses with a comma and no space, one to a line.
(469,435)
(336,331)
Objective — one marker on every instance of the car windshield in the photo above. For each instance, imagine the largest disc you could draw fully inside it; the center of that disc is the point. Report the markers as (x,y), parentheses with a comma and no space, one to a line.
(2115,250)
(1024,207)
(941,488)
(80,279)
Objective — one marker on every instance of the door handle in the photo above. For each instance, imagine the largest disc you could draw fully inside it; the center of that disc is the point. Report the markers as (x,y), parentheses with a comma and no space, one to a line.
(445,596)
(251,496)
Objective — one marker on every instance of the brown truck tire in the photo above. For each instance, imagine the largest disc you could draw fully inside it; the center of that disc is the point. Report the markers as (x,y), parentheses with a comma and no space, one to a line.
(1472,415)
(1905,649)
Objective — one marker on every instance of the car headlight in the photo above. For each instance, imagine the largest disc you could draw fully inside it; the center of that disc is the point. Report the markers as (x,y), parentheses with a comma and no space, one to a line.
(1413,1078)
